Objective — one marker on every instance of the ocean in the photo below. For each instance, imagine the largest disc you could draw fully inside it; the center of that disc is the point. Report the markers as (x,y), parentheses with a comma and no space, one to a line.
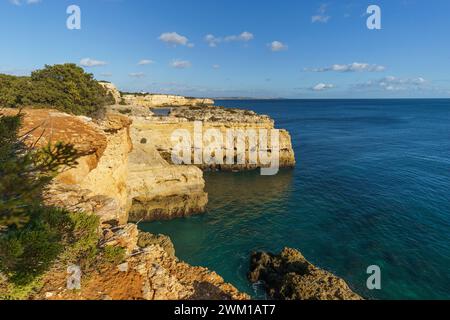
(371,187)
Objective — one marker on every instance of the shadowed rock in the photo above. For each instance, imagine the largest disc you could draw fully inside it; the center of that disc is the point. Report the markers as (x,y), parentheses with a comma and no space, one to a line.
(289,276)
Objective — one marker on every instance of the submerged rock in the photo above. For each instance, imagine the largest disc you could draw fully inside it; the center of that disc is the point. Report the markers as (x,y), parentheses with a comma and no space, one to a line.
(289,276)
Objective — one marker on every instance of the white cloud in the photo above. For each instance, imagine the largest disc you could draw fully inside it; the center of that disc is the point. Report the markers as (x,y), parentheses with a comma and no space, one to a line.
(319,18)
(180,64)
(88,62)
(278,46)
(321,15)
(352,67)
(213,41)
(19,2)
(322,87)
(144,62)
(137,75)
(394,84)
(244,36)
(216,66)
(175,39)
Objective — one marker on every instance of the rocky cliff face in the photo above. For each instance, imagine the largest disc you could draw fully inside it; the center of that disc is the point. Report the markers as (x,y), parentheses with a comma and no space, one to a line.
(157,189)
(163,100)
(111,88)
(153,100)
(289,276)
(159,130)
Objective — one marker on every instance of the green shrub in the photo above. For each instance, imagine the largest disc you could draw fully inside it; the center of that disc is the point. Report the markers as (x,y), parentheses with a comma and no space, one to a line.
(32,235)
(82,240)
(24,172)
(52,234)
(9,291)
(65,87)
(27,252)
(114,255)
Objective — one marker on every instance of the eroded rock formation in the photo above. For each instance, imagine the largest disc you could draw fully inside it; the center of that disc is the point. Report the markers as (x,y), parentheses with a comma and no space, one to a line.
(159,131)
(111,88)
(157,189)
(289,276)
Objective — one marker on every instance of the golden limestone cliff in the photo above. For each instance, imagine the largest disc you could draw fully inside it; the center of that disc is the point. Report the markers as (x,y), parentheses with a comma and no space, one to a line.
(153,100)
(102,184)
(160,188)
(163,100)
(227,123)
(157,189)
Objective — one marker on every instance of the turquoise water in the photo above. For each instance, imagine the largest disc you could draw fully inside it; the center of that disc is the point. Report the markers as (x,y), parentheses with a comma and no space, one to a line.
(372,186)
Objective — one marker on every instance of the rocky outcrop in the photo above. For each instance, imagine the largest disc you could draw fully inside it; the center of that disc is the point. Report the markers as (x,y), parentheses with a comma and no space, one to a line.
(132,111)
(146,239)
(163,100)
(157,189)
(112,89)
(152,100)
(289,276)
(159,131)
(149,272)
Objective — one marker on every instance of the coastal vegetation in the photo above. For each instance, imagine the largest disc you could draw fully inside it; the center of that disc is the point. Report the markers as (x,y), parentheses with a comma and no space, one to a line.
(65,87)
(34,236)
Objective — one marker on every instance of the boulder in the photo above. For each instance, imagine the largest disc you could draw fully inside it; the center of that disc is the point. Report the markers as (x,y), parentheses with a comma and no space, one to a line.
(289,276)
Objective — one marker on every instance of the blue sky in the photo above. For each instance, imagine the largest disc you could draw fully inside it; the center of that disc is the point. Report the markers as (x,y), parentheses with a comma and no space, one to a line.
(220,48)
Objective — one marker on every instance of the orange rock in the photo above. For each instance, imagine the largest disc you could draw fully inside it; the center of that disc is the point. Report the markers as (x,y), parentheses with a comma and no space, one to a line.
(43,126)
